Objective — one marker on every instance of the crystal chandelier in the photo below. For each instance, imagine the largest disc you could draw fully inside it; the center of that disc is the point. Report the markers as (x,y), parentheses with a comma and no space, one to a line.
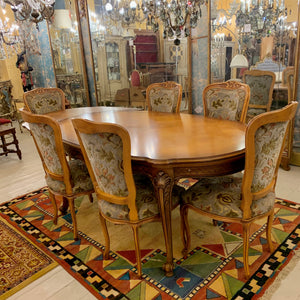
(177,16)
(126,12)
(259,18)
(32,10)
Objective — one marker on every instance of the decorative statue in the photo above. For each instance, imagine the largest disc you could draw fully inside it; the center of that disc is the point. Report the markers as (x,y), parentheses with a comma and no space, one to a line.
(25,69)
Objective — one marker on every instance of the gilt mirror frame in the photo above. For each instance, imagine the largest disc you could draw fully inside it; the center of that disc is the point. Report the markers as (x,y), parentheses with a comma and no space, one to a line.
(296,50)
(160,51)
(81,59)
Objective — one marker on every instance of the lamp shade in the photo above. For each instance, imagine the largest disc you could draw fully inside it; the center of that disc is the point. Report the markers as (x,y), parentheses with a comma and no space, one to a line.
(239,61)
(62,19)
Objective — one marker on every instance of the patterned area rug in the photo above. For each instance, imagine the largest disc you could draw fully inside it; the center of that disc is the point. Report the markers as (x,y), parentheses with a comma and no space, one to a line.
(213,269)
(21,262)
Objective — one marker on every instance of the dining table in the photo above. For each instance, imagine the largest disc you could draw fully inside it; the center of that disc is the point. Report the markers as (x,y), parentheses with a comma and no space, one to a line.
(167,147)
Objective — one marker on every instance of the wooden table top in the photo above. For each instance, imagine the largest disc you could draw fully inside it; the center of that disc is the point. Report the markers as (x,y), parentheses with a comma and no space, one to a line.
(164,137)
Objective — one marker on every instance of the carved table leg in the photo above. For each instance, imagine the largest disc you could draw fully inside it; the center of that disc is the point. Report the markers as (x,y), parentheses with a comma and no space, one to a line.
(163,185)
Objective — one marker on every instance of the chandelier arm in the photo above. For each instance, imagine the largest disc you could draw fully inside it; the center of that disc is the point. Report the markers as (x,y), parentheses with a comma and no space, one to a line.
(15,3)
(185,19)
(6,42)
(234,34)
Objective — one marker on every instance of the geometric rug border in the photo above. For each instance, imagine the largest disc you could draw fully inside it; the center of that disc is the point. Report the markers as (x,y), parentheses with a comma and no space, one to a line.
(59,253)
(265,273)
(270,267)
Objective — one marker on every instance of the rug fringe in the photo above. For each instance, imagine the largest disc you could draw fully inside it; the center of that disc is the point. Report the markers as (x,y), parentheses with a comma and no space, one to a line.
(281,276)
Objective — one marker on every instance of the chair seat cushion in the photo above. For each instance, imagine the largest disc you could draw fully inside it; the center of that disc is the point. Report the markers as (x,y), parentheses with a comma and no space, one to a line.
(255,111)
(222,196)
(80,176)
(4,121)
(146,202)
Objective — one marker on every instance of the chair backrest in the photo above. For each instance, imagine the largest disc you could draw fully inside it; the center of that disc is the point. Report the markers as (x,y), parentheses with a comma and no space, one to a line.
(106,150)
(44,100)
(264,141)
(226,100)
(135,78)
(261,85)
(285,73)
(47,136)
(164,96)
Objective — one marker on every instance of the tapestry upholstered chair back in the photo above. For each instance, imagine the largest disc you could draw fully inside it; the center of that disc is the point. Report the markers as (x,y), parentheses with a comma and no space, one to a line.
(123,198)
(261,85)
(226,100)
(164,97)
(246,196)
(285,72)
(44,100)
(68,179)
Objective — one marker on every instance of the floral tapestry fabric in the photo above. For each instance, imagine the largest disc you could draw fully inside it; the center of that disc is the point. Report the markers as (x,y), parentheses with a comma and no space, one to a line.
(255,111)
(222,196)
(163,100)
(260,88)
(225,104)
(44,103)
(105,152)
(268,141)
(79,177)
(146,202)
(44,137)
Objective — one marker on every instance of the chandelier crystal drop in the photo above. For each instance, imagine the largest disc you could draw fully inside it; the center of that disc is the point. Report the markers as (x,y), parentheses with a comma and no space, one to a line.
(177,16)
(126,12)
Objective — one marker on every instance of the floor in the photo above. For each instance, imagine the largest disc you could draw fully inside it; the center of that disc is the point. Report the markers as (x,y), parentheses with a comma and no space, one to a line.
(21,176)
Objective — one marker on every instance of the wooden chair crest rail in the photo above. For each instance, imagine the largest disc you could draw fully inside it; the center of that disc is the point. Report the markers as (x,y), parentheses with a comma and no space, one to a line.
(45,100)
(164,96)
(226,100)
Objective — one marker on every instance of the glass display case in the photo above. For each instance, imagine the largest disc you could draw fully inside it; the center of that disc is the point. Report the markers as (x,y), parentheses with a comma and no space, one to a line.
(113,61)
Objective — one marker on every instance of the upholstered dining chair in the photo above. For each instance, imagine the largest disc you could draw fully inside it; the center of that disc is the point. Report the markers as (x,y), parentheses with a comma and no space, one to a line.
(261,85)
(285,72)
(123,198)
(247,196)
(68,179)
(226,100)
(45,100)
(164,96)
(137,90)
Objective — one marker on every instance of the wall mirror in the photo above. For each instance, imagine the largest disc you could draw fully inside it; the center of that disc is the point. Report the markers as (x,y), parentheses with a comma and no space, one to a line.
(262,31)
(67,56)
(128,55)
